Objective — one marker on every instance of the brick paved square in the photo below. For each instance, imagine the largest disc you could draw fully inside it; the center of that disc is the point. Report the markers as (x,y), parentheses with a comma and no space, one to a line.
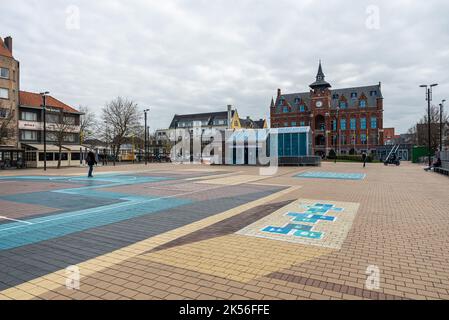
(194,232)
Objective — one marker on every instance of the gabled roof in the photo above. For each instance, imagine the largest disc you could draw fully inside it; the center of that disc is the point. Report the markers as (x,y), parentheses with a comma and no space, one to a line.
(3,50)
(259,123)
(304,97)
(32,99)
(209,117)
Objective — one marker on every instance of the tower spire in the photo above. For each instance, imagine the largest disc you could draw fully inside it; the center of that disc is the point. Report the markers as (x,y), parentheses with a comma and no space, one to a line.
(320,82)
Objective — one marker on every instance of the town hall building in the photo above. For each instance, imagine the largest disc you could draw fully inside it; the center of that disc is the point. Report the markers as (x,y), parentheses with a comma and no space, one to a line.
(344,121)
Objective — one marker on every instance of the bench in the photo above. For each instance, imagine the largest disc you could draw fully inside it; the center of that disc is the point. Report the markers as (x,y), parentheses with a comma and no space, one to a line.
(444,169)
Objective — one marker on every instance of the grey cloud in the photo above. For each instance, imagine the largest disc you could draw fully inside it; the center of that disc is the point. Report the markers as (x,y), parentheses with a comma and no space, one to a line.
(195,55)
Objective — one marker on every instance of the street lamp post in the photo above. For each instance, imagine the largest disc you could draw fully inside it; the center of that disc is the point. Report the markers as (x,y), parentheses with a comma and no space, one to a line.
(441,124)
(429,99)
(44,108)
(146,135)
(338,136)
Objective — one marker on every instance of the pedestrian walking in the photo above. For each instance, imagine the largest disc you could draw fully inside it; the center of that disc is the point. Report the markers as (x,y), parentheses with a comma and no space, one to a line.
(364,157)
(91,161)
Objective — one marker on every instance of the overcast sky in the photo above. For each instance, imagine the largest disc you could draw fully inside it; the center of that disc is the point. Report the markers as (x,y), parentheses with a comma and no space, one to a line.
(192,56)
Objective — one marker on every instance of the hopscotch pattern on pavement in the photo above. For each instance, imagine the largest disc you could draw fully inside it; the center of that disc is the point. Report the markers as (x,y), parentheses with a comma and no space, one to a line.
(309,222)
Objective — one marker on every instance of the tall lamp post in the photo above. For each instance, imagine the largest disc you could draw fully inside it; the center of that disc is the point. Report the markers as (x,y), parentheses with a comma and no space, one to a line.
(44,108)
(146,135)
(338,136)
(429,99)
(441,124)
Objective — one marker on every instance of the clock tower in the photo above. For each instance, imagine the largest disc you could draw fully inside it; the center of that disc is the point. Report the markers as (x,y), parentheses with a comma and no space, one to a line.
(320,104)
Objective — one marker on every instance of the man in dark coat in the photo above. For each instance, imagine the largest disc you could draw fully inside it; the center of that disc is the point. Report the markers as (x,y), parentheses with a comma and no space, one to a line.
(91,161)
(364,158)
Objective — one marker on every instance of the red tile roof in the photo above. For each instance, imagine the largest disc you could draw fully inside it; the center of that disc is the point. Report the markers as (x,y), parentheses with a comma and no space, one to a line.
(35,100)
(3,50)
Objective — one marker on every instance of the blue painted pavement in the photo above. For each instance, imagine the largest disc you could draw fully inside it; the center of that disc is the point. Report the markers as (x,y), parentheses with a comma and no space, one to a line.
(124,206)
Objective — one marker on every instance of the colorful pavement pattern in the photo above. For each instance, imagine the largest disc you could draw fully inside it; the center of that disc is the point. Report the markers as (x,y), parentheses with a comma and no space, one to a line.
(332,175)
(199,232)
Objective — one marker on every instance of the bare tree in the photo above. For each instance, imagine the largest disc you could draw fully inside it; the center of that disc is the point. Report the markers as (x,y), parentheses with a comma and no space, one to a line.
(420,130)
(61,129)
(87,123)
(121,117)
(7,127)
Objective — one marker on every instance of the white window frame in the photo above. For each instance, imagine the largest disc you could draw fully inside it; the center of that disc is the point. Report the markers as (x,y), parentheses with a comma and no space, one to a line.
(25,118)
(2,91)
(7,73)
(31,132)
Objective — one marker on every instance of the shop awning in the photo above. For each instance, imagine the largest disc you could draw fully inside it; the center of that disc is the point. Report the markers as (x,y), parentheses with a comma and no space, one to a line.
(40,147)
(76,147)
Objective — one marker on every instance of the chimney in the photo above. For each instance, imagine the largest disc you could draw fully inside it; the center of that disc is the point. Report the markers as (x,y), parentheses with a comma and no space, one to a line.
(8,43)
(279,93)
(229,116)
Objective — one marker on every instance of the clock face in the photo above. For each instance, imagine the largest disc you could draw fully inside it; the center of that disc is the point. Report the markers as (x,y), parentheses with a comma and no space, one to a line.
(319,104)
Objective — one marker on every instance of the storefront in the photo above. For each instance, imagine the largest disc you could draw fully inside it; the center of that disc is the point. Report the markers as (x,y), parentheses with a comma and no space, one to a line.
(71,155)
(11,159)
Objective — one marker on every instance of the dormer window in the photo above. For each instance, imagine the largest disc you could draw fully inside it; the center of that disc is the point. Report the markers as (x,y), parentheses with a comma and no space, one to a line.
(353,95)
(281,101)
(297,100)
(373,93)
(335,96)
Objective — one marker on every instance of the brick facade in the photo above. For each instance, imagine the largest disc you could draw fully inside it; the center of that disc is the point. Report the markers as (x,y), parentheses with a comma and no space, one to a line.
(9,84)
(359,111)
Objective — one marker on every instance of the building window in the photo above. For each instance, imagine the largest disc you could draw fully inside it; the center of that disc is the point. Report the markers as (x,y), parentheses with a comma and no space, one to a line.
(297,100)
(281,102)
(363,123)
(373,123)
(28,135)
(363,138)
(69,120)
(334,125)
(69,137)
(285,124)
(343,124)
(335,96)
(343,105)
(28,116)
(4,93)
(302,108)
(51,137)
(353,124)
(4,113)
(362,103)
(343,140)
(373,93)
(285,110)
(293,124)
(353,95)
(52,118)
(302,124)
(4,73)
